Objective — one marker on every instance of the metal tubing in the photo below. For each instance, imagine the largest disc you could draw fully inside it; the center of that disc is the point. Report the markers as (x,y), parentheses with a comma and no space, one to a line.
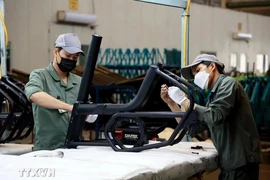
(3,41)
(186,83)
(185,35)
(140,99)
(89,68)
(171,3)
(77,121)
(88,143)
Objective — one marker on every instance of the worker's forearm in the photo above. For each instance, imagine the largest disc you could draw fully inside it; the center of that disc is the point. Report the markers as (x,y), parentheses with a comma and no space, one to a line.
(175,108)
(186,104)
(45,100)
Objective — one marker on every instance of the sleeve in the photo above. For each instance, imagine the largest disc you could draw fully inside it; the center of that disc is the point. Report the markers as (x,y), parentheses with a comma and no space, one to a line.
(221,107)
(197,128)
(35,84)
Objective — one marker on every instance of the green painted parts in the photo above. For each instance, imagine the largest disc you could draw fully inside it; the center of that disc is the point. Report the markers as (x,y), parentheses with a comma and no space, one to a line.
(258,90)
(265,102)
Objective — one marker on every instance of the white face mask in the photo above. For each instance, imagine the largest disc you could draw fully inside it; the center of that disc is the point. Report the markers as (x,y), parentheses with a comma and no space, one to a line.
(201,79)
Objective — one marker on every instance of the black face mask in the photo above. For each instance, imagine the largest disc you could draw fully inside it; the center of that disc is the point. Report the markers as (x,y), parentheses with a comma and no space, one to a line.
(66,65)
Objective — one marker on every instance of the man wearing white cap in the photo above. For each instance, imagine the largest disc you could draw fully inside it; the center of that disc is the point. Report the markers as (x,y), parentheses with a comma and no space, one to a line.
(227,114)
(53,91)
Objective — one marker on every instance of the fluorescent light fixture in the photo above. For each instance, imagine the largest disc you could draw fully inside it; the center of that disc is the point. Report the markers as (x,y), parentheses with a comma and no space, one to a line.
(241,36)
(74,17)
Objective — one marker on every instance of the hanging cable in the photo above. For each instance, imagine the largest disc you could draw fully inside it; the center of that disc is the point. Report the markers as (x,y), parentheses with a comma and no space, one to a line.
(4,27)
(6,35)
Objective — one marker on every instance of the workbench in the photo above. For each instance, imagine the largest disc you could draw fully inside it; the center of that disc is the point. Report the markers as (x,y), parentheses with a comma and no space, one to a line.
(102,163)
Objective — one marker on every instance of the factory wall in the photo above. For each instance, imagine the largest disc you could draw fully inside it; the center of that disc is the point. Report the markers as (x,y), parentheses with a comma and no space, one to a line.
(130,24)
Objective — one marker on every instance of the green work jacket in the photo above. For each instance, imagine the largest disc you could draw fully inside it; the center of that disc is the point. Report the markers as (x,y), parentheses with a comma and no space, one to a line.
(229,118)
(51,125)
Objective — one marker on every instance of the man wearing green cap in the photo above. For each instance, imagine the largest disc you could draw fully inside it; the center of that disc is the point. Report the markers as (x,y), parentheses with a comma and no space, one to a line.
(53,91)
(227,114)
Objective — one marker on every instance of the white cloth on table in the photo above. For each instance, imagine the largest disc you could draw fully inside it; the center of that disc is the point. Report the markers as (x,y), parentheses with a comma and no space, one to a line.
(15,149)
(98,163)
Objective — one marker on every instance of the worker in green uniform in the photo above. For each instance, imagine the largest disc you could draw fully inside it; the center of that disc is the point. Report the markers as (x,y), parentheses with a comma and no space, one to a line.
(53,90)
(227,114)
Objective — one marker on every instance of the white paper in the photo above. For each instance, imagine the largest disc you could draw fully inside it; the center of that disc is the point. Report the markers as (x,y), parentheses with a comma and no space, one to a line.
(91,118)
(62,111)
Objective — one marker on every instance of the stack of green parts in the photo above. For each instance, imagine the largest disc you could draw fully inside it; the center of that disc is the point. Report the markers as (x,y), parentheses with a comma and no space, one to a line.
(258,91)
(265,102)
(255,101)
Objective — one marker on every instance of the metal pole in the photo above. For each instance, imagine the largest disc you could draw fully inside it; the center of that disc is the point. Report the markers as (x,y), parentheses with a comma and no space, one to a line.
(188,26)
(2,42)
(89,68)
(185,35)
(182,37)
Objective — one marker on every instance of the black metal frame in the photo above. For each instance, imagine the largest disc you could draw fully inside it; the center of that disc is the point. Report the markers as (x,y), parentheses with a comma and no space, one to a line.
(20,117)
(129,110)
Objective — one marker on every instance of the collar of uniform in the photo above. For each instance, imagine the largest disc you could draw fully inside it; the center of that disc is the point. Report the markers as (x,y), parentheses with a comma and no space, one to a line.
(53,72)
(72,79)
(221,76)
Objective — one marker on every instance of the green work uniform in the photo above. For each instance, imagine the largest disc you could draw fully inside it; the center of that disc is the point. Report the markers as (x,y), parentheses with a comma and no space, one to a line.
(51,126)
(229,118)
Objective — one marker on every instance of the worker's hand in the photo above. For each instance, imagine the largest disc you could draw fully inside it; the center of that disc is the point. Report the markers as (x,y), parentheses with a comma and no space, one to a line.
(176,95)
(70,108)
(165,96)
